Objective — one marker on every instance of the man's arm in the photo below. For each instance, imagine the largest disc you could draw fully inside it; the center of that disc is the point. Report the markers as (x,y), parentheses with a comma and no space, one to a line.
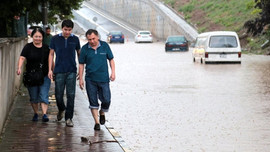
(78,53)
(50,60)
(81,82)
(78,56)
(112,65)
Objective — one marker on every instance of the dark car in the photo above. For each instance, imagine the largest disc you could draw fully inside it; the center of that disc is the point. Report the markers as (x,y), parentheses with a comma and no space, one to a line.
(176,43)
(116,36)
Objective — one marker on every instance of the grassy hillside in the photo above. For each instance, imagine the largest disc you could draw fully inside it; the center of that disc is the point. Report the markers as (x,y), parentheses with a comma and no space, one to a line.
(212,15)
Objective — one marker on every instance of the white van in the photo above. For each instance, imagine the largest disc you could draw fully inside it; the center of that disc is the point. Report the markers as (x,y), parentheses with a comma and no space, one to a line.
(218,46)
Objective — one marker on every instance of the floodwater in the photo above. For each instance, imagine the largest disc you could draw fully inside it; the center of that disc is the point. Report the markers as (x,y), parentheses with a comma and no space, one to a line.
(165,102)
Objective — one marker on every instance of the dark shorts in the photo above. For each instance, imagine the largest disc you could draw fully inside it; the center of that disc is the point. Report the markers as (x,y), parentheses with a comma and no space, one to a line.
(101,91)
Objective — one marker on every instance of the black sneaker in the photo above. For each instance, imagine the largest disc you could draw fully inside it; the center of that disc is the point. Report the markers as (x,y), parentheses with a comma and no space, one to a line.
(60,115)
(97,127)
(35,117)
(45,118)
(102,119)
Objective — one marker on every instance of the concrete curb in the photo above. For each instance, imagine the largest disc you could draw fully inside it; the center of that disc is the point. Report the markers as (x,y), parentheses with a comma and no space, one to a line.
(113,132)
(117,137)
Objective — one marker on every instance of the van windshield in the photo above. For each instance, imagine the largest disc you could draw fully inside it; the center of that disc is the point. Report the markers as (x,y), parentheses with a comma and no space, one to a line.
(223,42)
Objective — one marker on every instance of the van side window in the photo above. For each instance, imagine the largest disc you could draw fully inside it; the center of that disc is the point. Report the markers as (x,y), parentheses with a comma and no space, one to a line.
(223,42)
(200,42)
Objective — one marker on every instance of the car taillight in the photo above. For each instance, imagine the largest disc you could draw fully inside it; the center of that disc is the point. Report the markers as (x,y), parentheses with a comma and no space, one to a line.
(150,35)
(239,54)
(206,54)
(123,36)
(139,35)
(183,44)
(110,36)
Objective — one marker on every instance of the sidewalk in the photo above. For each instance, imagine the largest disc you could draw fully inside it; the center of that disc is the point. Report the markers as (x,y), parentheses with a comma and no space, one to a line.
(21,134)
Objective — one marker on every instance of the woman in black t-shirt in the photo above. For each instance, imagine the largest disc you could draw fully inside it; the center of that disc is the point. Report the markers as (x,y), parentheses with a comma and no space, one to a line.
(36,53)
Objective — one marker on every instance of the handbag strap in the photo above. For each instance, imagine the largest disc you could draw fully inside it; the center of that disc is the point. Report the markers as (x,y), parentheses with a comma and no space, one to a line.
(42,57)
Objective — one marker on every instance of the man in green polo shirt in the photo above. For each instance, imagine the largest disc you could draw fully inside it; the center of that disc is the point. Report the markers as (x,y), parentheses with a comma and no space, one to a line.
(95,55)
(47,37)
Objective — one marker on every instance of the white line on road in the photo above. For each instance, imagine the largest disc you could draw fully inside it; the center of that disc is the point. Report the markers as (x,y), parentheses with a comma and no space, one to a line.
(116,22)
(97,25)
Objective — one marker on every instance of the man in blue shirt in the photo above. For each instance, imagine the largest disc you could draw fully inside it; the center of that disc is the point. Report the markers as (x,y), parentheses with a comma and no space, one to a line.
(95,55)
(65,45)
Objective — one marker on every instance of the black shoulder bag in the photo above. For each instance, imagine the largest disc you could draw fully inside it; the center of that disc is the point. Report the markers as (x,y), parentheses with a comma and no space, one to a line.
(35,77)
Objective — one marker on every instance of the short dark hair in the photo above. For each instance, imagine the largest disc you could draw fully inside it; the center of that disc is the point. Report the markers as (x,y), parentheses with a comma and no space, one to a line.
(90,31)
(48,28)
(67,23)
(37,30)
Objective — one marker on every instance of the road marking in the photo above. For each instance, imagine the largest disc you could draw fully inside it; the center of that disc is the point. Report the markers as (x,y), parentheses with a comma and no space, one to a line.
(97,25)
(116,22)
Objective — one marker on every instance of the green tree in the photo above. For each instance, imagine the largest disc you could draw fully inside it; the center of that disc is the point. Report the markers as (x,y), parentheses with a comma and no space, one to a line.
(11,10)
(257,25)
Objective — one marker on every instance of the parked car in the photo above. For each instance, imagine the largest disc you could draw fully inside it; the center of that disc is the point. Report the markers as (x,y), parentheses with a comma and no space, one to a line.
(143,36)
(218,46)
(115,36)
(176,43)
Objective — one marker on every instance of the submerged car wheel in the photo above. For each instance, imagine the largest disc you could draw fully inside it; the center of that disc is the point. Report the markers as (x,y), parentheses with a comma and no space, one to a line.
(194,59)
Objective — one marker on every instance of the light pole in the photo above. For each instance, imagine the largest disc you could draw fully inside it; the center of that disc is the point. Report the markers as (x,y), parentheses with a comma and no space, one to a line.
(44,13)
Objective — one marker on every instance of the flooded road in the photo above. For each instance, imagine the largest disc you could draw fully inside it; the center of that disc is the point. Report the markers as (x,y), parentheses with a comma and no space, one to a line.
(165,102)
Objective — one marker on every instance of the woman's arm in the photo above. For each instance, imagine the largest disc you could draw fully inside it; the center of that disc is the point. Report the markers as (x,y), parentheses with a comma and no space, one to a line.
(20,63)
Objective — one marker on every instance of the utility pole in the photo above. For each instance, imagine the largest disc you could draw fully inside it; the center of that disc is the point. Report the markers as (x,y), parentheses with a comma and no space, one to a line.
(44,13)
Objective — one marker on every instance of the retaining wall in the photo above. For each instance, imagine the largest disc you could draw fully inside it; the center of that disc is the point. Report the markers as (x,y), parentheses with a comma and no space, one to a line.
(10,49)
(147,15)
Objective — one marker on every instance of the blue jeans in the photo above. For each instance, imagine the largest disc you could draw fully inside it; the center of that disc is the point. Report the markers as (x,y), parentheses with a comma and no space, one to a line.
(68,81)
(40,93)
(101,91)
